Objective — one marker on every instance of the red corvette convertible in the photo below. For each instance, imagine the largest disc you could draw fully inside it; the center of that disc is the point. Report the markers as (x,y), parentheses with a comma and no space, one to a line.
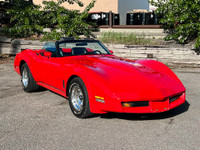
(96,81)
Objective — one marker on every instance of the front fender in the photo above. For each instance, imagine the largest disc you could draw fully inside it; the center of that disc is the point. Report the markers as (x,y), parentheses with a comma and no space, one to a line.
(95,85)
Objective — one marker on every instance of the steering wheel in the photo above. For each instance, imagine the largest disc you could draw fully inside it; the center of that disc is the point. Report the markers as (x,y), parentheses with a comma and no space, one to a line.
(97,52)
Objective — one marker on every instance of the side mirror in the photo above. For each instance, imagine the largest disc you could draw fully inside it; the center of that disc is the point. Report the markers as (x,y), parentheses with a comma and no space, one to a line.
(47,54)
(111,51)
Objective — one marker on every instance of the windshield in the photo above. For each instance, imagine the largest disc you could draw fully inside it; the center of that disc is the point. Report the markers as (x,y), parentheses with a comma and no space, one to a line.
(82,47)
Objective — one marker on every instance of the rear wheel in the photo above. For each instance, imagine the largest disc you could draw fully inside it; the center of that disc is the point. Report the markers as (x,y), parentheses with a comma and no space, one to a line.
(27,80)
(78,99)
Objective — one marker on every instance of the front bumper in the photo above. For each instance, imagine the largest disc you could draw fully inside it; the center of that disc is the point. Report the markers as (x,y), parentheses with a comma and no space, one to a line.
(156,106)
(153,106)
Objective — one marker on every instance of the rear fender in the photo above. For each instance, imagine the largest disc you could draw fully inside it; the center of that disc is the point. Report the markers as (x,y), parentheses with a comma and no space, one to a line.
(17,62)
(29,58)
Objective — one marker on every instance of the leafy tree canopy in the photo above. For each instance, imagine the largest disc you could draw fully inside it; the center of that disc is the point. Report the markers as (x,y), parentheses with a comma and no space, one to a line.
(28,19)
(181,19)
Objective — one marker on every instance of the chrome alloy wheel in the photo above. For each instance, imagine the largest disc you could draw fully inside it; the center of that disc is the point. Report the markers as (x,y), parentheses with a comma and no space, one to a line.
(77,97)
(25,77)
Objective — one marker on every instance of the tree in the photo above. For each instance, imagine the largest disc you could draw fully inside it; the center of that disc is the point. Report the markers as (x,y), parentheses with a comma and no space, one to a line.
(180,19)
(25,20)
(64,22)
(31,19)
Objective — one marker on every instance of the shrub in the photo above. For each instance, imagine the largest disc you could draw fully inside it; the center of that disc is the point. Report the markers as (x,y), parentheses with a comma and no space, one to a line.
(126,38)
(180,19)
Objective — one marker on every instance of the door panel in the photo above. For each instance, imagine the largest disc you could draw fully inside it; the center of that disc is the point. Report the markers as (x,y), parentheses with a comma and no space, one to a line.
(51,72)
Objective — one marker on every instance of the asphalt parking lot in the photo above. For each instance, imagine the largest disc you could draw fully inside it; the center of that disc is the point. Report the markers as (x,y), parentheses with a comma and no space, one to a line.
(43,121)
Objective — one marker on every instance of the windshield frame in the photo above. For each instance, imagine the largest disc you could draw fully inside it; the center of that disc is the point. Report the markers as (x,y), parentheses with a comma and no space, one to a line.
(57,43)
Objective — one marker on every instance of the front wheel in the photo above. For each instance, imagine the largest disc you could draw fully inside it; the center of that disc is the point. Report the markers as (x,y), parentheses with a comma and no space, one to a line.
(78,99)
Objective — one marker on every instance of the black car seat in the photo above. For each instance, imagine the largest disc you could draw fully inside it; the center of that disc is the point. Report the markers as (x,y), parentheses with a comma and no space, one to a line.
(78,50)
(53,51)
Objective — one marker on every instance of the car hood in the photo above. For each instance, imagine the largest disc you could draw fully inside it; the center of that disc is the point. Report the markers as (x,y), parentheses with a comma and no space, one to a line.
(130,80)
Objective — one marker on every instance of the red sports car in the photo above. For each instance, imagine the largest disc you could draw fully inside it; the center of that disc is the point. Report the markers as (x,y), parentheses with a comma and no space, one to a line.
(96,81)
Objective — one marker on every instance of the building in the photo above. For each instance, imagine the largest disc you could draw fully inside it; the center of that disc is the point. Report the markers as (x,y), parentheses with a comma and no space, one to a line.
(116,6)
(152,8)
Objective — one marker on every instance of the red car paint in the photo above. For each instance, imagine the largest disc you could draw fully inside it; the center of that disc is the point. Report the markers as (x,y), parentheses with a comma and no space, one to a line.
(115,79)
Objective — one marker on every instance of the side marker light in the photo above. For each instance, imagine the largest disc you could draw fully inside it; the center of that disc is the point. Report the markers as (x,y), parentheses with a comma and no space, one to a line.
(99,99)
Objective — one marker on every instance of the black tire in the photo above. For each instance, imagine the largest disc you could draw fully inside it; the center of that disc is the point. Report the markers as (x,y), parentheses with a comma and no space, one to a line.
(30,85)
(85,111)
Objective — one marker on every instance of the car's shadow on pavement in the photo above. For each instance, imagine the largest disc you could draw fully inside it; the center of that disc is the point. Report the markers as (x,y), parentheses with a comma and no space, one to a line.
(126,116)
(174,112)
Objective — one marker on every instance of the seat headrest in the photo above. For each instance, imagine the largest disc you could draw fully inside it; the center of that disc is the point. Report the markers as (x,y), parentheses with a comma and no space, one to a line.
(78,50)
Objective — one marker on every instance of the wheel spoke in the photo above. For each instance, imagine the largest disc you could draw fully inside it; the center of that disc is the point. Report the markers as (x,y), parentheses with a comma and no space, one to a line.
(77,98)
(25,77)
